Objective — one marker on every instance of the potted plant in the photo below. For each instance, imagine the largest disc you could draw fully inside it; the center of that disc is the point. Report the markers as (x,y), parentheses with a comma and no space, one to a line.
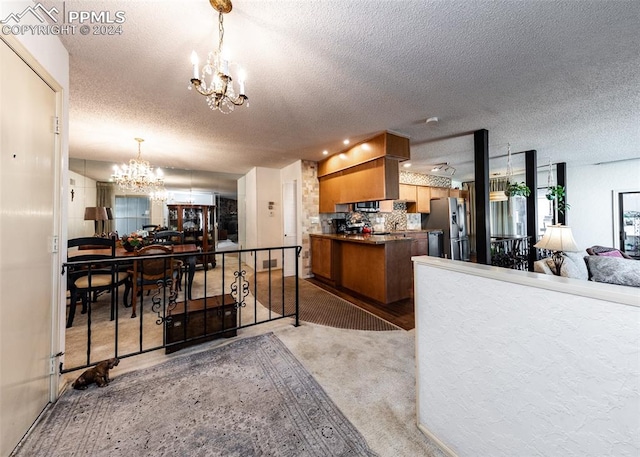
(517,189)
(557,194)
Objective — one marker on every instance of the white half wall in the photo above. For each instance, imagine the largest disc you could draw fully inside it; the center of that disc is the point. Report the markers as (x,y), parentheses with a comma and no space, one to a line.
(512,363)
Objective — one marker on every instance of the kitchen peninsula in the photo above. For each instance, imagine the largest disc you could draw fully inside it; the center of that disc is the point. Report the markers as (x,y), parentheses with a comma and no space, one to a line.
(377,267)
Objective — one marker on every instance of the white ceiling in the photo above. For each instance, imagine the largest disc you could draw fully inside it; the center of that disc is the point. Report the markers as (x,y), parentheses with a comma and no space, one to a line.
(561,77)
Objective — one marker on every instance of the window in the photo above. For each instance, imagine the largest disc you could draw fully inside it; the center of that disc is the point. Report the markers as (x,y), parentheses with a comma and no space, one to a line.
(131,214)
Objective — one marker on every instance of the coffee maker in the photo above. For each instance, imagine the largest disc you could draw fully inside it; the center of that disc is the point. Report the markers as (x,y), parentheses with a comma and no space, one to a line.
(339,226)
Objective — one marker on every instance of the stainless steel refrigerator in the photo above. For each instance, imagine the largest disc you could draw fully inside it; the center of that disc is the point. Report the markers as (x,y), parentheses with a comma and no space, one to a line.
(450,215)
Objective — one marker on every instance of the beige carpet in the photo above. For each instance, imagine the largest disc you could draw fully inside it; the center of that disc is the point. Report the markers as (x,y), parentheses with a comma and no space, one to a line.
(315,304)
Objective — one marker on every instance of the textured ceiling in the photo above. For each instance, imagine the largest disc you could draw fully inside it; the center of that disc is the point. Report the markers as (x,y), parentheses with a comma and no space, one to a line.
(561,77)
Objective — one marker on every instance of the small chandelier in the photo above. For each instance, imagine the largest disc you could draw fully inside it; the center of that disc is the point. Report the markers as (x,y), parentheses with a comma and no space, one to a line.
(160,195)
(219,92)
(138,176)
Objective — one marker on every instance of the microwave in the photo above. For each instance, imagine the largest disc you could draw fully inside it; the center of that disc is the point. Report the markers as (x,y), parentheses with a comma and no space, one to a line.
(367,207)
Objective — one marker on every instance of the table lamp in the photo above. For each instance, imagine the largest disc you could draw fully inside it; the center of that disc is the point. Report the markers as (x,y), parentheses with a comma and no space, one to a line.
(557,238)
(95,213)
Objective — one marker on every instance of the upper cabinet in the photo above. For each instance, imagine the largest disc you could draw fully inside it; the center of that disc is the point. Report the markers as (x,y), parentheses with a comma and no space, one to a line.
(424,194)
(386,145)
(370,181)
(368,171)
(407,192)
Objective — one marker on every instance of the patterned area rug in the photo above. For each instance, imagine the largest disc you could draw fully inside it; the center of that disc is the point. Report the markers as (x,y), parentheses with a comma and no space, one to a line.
(249,398)
(316,305)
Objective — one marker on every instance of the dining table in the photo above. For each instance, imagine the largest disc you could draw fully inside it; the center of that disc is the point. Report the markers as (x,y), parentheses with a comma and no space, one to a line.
(177,249)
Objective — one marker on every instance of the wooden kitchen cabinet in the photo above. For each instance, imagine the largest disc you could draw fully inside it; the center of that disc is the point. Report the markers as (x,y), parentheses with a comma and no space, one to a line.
(329,193)
(439,192)
(371,181)
(459,193)
(322,257)
(408,192)
(423,199)
(419,243)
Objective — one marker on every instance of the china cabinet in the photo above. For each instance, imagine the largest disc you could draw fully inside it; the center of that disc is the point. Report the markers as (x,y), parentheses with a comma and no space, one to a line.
(198,222)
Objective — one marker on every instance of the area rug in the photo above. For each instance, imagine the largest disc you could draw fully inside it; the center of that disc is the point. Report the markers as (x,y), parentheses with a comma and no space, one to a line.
(251,397)
(316,305)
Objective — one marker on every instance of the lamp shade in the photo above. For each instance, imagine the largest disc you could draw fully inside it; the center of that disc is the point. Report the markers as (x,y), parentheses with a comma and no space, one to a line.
(498,196)
(95,213)
(557,238)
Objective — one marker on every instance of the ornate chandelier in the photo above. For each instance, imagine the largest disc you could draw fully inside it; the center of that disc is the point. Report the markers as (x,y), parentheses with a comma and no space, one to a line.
(159,195)
(138,176)
(219,91)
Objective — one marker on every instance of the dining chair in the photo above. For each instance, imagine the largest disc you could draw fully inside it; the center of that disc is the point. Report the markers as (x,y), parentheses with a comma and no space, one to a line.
(153,273)
(168,237)
(86,281)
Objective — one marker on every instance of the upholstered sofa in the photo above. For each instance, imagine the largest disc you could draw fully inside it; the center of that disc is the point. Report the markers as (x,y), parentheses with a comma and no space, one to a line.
(610,268)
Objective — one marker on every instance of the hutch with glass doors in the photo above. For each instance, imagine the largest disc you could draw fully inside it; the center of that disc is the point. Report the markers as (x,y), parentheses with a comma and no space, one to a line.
(198,222)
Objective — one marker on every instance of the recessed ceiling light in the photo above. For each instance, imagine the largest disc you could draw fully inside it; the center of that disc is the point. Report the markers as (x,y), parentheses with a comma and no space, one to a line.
(433,120)
(346,141)
(406,164)
(325,152)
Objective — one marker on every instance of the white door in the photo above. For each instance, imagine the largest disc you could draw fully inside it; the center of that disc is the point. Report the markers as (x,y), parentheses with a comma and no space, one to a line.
(290,216)
(27,177)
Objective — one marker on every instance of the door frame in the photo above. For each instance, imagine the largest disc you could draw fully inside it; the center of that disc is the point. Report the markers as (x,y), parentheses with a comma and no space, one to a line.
(58,236)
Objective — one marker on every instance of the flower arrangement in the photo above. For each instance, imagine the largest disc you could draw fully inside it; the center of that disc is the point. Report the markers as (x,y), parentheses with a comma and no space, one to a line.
(132,241)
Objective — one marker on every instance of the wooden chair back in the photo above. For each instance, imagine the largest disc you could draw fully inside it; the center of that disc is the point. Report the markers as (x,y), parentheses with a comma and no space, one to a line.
(150,273)
(168,237)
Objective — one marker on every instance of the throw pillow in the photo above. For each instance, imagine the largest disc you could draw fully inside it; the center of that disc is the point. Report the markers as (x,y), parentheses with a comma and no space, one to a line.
(568,268)
(578,260)
(610,254)
(613,270)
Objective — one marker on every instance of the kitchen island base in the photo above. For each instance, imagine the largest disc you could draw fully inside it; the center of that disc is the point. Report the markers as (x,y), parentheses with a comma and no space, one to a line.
(376,267)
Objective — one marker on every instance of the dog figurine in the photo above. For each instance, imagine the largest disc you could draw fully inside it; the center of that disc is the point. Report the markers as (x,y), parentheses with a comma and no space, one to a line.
(98,374)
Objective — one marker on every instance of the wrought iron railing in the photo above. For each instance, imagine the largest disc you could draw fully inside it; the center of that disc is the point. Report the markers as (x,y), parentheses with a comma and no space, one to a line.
(510,252)
(187,307)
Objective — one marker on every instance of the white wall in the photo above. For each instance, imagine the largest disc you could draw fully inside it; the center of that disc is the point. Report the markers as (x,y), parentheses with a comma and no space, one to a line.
(242,212)
(263,226)
(509,365)
(590,194)
(293,173)
(84,194)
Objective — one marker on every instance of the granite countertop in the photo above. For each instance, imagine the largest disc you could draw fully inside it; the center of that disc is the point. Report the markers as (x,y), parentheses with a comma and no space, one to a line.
(365,238)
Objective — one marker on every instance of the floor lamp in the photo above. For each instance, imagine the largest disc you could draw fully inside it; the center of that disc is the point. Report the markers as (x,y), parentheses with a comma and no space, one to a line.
(558,239)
